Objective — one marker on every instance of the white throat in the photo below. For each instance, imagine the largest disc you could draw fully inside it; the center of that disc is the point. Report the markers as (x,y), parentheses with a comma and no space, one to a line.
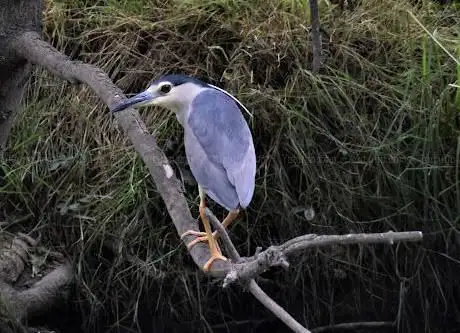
(182,99)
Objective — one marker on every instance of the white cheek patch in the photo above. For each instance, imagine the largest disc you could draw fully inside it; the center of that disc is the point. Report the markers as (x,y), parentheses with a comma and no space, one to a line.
(168,170)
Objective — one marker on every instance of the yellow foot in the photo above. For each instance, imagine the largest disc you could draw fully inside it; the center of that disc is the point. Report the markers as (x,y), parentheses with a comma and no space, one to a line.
(202,237)
(211,260)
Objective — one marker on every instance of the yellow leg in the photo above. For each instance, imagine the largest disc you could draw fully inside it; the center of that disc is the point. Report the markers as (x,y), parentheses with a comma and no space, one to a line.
(214,248)
(205,236)
(231,216)
(202,236)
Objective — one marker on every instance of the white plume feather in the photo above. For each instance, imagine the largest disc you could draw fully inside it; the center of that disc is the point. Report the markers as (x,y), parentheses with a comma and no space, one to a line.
(234,98)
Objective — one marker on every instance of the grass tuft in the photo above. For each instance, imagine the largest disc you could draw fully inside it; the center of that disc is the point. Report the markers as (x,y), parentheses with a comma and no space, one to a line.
(370,144)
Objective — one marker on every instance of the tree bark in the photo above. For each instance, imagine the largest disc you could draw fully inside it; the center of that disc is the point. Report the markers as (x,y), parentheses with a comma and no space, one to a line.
(16,17)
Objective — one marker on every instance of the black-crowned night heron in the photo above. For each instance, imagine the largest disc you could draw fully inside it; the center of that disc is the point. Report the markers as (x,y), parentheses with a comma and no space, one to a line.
(218,145)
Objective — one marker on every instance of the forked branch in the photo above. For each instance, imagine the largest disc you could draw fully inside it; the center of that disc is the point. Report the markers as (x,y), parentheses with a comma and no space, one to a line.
(251,284)
(245,270)
(31,47)
(277,255)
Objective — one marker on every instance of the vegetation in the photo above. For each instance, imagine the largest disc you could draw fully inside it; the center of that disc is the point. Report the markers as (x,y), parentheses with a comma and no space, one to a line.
(370,144)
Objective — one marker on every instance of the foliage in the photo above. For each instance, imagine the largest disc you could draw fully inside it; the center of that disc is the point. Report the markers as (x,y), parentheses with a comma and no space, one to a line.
(371,144)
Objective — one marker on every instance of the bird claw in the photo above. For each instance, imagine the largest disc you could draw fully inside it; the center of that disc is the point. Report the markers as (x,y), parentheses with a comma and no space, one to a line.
(201,237)
(211,260)
(193,233)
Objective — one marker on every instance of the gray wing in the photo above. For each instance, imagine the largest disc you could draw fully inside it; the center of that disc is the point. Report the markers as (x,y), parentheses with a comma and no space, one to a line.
(218,126)
(210,176)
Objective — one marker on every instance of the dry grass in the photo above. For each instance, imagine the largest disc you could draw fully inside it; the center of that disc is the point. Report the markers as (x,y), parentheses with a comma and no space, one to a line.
(371,144)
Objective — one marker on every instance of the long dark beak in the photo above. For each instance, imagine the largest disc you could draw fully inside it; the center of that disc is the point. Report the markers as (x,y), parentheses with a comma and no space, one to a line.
(142,99)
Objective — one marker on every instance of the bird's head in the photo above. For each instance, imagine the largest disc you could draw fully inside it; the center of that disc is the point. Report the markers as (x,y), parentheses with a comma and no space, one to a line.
(173,92)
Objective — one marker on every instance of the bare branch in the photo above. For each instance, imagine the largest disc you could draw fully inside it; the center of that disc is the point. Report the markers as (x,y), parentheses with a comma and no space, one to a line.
(308,241)
(353,326)
(252,285)
(276,255)
(315,35)
(275,308)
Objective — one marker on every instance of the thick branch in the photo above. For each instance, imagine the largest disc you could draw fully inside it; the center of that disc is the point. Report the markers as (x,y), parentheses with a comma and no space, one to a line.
(32,47)
(12,90)
(41,296)
(15,17)
(47,291)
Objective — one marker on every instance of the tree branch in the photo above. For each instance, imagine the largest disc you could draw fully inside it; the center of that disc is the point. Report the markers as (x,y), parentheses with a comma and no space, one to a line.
(308,241)
(275,308)
(43,294)
(47,291)
(277,255)
(33,48)
(353,326)
(315,35)
(252,285)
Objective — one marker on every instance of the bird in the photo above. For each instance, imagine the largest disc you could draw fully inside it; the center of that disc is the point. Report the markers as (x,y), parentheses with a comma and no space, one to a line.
(218,145)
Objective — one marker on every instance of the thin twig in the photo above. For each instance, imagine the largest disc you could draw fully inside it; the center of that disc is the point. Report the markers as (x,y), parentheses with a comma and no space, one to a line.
(401,305)
(315,35)
(353,326)
(275,308)
(309,241)
(233,253)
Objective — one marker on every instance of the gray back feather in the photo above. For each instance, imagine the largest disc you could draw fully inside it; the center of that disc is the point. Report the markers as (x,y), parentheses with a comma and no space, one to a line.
(223,134)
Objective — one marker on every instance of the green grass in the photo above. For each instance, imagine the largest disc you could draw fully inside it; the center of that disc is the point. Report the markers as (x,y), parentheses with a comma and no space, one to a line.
(371,144)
